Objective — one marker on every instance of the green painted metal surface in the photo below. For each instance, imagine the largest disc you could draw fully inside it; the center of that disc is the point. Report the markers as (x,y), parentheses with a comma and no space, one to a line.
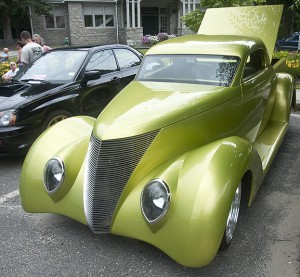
(209,138)
(253,21)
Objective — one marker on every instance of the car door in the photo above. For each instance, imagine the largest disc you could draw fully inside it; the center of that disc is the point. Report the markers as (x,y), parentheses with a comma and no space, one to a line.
(258,96)
(128,63)
(96,94)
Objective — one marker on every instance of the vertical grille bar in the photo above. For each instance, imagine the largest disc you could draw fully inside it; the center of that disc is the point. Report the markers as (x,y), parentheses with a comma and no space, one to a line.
(110,164)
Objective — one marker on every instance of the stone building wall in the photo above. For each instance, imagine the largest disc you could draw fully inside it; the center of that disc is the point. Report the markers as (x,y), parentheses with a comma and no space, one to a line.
(53,37)
(78,34)
(131,36)
(81,35)
(184,31)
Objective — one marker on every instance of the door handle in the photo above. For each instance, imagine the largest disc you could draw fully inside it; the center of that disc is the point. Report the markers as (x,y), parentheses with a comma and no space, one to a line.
(115,79)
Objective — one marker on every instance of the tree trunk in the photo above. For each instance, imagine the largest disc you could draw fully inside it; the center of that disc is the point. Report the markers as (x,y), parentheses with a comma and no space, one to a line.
(288,19)
(5,18)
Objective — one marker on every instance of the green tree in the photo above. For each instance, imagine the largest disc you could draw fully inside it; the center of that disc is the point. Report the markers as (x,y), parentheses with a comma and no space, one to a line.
(296,4)
(193,20)
(14,11)
(290,15)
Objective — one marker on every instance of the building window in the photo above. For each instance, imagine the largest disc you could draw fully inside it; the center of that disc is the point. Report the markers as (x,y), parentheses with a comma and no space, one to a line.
(191,5)
(98,15)
(56,18)
(163,20)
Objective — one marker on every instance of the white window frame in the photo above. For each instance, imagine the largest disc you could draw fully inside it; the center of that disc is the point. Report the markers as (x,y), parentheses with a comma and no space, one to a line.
(96,10)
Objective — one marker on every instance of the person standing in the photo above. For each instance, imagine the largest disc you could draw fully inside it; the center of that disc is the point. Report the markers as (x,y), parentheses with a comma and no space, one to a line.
(31,50)
(5,56)
(38,39)
(20,45)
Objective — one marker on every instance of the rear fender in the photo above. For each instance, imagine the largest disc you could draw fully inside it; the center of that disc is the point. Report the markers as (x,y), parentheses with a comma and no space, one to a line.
(284,97)
(202,183)
(69,141)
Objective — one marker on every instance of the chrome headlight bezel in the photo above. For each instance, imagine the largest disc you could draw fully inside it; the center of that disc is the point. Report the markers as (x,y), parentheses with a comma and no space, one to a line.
(49,169)
(8,118)
(163,191)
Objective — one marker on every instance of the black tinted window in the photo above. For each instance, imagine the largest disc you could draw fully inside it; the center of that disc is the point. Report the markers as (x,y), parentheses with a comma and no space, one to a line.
(126,58)
(255,63)
(104,61)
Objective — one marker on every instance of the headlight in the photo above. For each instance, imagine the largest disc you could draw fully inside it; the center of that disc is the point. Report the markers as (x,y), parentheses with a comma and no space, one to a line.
(155,200)
(8,118)
(54,174)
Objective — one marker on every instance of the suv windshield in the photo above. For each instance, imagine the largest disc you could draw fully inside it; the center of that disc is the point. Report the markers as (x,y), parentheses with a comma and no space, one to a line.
(54,66)
(213,70)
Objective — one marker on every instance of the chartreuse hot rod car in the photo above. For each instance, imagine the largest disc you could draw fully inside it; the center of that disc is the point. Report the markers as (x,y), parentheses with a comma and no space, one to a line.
(170,160)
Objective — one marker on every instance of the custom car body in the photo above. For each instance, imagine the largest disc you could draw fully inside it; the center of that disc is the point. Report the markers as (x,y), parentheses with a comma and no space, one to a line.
(170,160)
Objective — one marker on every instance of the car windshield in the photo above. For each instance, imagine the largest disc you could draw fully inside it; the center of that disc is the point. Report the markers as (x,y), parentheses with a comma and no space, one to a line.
(213,70)
(54,66)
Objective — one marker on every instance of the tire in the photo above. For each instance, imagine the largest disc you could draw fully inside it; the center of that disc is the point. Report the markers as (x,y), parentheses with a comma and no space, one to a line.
(232,218)
(55,117)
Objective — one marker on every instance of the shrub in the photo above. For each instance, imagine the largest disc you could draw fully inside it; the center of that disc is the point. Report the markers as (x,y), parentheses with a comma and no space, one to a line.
(193,20)
(292,62)
(4,67)
(148,39)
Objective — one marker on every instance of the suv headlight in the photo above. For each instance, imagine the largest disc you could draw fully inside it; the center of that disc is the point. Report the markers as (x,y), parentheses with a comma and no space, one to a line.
(54,174)
(155,200)
(8,118)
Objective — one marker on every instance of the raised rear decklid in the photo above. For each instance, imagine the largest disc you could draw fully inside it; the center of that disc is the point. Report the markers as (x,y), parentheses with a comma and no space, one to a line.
(252,21)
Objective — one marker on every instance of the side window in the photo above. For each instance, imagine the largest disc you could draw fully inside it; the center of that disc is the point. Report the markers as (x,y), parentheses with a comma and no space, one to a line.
(294,37)
(126,58)
(104,61)
(255,63)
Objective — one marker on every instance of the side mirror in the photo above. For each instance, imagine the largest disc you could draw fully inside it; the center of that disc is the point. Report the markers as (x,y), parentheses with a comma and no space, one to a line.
(90,75)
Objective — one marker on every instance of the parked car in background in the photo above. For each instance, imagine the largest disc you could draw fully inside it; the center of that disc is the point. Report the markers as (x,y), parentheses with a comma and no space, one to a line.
(62,83)
(290,43)
(177,152)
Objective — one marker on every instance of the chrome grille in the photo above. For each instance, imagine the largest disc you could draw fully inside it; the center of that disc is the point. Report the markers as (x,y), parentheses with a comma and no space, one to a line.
(110,164)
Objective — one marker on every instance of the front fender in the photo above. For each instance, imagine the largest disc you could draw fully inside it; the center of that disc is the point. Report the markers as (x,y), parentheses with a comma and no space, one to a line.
(202,183)
(68,140)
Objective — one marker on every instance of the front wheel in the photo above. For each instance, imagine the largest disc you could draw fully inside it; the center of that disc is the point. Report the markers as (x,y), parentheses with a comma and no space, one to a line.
(55,117)
(232,219)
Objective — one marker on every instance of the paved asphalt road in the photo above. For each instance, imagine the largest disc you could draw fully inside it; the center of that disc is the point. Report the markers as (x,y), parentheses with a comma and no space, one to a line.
(267,241)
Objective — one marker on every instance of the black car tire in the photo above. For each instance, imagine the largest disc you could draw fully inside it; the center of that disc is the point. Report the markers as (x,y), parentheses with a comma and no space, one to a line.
(55,117)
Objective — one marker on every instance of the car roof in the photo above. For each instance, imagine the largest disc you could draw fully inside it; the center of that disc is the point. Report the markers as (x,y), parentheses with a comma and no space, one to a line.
(208,44)
(90,47)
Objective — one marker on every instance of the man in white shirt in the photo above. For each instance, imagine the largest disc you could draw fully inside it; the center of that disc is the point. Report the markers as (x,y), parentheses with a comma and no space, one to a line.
(31,50)
(11,73)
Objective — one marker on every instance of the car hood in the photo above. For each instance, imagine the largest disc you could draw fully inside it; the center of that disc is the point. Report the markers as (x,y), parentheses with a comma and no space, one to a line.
(146,106)
(14,94)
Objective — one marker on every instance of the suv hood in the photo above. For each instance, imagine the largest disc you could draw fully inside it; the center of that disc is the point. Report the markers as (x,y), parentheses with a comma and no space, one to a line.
(13,94)
(146,106)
